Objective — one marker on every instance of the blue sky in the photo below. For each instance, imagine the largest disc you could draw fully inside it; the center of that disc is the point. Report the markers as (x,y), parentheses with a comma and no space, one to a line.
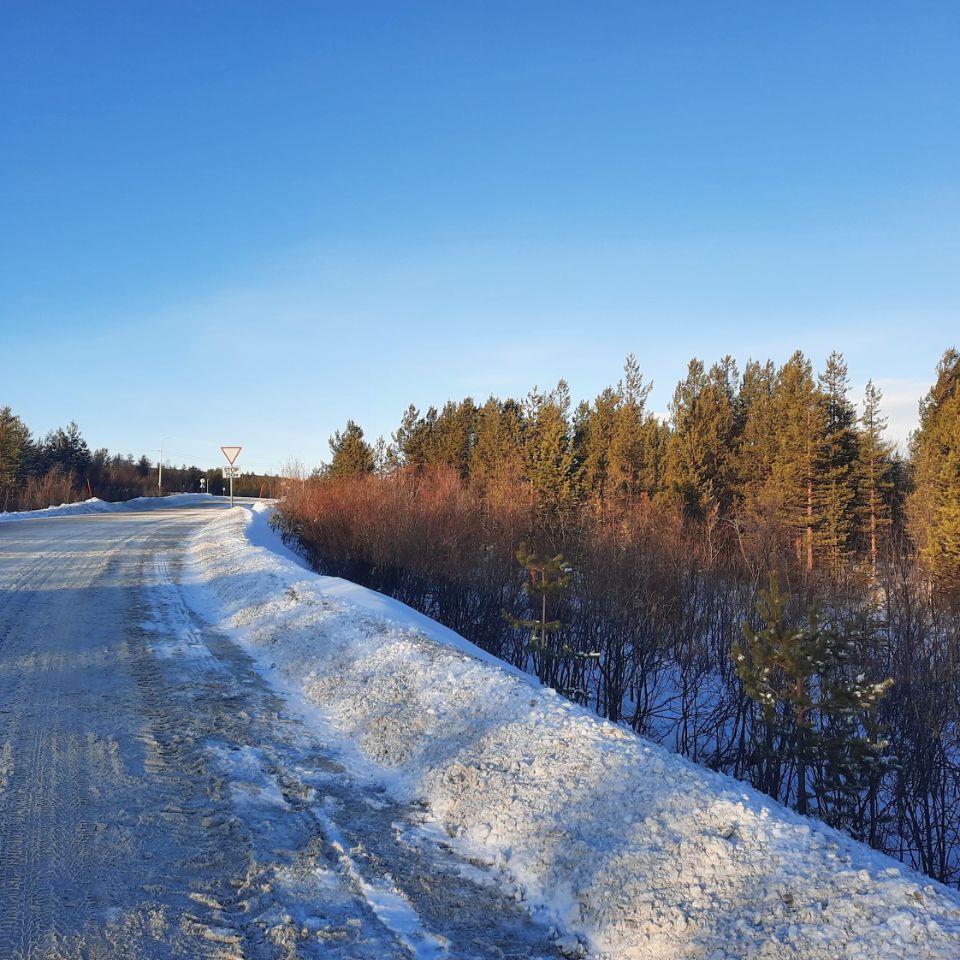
(246,222)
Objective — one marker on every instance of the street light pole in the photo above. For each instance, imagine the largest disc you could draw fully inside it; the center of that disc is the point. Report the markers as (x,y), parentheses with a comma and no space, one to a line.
(160,468)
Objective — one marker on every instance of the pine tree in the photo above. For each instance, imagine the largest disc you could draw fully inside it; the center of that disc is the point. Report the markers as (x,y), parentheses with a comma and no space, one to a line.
(382,461)
(403,440)
(64,449)
(873,468)
(637,442)
(809,680)
(453,436)
(758,445)
(799,424)
(352,455)
(550,461)
(759,516)
(16,454)
(935,503)
(836,477)
(619,444)
(700,454)
(595,428)
(548,578)
(415,440)
(496,458)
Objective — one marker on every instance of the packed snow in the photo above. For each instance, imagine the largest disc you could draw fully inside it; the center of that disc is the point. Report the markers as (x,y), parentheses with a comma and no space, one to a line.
(627,850)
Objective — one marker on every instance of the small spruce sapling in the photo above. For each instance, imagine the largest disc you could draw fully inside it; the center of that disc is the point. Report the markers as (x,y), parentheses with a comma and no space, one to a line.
(549,576)
(555,662)
(811,685)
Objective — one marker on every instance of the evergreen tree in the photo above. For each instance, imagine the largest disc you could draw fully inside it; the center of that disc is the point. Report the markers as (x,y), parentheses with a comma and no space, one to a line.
(550,462)
(595,429)
(403,442)
(496,458)
(352,455)
(65,449)
(935,503)
(16,454)
(817,704)
(548,579)
(453,436)
(619,443)
(701,450)
(874,469)
(758,446)
(638,443)
(415,440)
(836,477)
(799,424)
(759,515)
(382,461)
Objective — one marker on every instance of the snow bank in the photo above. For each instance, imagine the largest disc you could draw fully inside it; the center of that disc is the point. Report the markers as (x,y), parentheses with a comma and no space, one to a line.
(95,505)
(635,851)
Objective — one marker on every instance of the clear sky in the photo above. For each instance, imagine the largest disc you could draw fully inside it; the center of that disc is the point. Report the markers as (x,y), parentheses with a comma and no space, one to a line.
(239,222)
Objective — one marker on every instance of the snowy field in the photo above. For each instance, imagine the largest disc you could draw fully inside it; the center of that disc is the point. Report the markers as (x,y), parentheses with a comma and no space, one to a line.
(626,850)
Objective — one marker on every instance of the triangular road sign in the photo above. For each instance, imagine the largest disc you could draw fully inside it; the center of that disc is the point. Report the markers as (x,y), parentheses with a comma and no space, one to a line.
(231,453)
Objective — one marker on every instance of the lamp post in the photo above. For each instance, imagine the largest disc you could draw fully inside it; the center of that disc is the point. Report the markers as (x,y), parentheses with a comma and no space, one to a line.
(160,467)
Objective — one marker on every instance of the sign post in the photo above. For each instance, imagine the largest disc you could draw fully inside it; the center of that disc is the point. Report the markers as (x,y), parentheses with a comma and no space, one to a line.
(231,453)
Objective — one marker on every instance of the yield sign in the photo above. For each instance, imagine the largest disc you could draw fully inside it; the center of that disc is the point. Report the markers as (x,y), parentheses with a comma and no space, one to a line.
(231,453)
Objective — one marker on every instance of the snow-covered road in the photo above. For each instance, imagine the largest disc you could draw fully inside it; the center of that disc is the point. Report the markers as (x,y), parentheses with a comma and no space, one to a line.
(158,798)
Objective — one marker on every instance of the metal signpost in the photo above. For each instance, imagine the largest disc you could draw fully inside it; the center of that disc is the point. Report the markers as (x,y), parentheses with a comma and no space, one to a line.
(231,453)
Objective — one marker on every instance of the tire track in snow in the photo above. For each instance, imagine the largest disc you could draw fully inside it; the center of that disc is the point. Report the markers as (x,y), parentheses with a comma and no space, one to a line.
(70,860)
(24,869)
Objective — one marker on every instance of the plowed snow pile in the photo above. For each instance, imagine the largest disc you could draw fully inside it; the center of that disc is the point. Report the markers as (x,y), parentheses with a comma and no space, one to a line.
(95,505)
(635,851)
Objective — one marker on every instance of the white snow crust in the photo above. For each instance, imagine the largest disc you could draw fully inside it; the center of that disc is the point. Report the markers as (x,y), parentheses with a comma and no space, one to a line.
(624,848)
(95,505)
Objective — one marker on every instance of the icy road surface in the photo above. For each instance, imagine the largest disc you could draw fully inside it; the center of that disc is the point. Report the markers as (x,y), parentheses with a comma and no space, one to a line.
(157,799)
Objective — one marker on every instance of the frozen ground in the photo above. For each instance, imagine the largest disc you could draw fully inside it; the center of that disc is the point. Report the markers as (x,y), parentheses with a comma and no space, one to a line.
(631,851)
(159,798)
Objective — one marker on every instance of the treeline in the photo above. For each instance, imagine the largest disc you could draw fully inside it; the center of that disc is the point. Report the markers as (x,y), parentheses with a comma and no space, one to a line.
(61,468)
(672,531)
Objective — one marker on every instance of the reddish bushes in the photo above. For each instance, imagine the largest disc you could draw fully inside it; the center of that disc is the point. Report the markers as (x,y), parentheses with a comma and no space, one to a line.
(659,601)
